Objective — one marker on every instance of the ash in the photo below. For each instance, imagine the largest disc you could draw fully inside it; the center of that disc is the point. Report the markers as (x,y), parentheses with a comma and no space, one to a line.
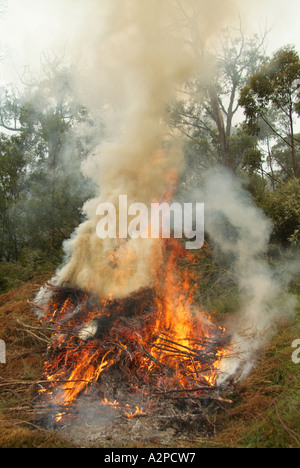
(165,423)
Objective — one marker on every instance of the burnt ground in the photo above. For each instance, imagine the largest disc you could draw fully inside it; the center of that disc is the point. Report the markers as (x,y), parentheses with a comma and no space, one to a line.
(160,421)
(170,428)
(263,412)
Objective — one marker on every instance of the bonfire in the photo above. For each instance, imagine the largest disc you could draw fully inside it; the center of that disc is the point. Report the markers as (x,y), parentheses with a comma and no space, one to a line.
(154,344)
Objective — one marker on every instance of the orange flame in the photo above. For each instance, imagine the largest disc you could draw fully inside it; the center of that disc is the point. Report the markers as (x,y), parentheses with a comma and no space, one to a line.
(172,346)
(138,412)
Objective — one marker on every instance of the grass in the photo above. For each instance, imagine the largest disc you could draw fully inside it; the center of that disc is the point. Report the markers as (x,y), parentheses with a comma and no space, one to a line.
(265,414)
(24,364)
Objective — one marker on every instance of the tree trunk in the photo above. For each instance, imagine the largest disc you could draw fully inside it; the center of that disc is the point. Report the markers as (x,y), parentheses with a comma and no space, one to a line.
(223,134)
(53,166)
(293,147)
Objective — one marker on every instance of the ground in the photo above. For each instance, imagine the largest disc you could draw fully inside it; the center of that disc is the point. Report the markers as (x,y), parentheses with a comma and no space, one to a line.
(264,413)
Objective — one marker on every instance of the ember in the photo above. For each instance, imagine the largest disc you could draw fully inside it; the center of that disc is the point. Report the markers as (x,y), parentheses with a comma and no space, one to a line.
(129,352)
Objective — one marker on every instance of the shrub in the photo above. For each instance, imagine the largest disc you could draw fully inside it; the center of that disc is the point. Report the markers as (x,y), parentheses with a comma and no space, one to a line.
(283,207)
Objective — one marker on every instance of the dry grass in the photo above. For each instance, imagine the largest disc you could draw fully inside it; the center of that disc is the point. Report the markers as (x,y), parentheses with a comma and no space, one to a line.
(266,413)
(26,344)
(266,410)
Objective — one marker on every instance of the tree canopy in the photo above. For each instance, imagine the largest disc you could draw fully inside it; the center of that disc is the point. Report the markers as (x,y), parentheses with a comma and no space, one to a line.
(272,96)
(42,145)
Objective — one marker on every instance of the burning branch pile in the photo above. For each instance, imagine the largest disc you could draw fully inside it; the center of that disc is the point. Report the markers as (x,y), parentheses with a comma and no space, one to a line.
(152,344)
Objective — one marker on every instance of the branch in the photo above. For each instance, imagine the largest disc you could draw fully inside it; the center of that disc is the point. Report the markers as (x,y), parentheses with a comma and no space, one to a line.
(11,129)
(275,131)
(270,176)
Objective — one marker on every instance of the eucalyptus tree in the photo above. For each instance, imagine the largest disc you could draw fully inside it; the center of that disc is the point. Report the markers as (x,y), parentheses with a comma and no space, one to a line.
(208,111)
(46,117)
(271,99)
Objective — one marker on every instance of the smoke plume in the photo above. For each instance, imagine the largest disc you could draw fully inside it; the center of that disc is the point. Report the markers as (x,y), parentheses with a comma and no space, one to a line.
(136,55)
(241,232)
(134,63)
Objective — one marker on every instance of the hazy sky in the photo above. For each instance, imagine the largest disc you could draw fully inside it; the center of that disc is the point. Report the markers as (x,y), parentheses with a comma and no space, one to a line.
(32,26)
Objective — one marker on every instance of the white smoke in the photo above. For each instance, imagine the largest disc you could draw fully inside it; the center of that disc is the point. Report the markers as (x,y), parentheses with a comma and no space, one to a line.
(241,232)
(133,57)
(135,63)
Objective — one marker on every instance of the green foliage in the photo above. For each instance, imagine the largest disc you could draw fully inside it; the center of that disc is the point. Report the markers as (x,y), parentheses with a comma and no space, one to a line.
(243,150)
(42,189)
(11,166)
(282,156)
(271,100)
(283,207)
(12,170)
(30,264)
(275,84)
